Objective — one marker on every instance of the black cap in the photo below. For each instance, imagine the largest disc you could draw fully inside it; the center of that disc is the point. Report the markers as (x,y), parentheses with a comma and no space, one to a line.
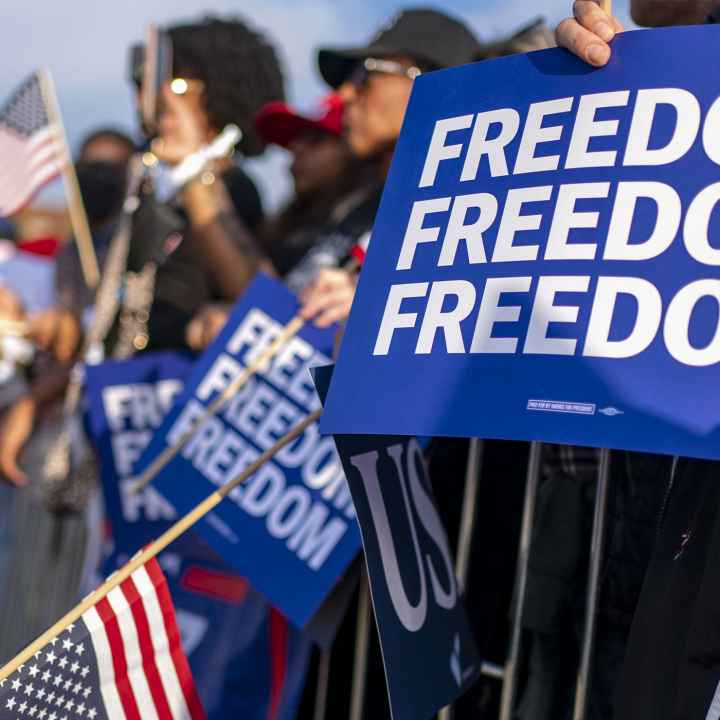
(432,38)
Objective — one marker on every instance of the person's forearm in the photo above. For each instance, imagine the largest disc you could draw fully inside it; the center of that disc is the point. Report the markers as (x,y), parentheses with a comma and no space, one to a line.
(228,249)
(658,13)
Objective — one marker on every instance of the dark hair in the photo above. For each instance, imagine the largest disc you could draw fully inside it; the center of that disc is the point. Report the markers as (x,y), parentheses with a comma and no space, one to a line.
(239,68)
(107,133)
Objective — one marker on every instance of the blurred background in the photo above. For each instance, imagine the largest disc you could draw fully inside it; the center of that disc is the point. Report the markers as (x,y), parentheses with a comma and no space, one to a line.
(85,44)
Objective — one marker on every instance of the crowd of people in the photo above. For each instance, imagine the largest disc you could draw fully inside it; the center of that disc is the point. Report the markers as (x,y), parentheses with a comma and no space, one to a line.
(191,251)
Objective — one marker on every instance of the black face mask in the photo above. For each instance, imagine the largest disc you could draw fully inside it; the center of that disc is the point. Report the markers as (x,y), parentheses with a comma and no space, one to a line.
(102,186)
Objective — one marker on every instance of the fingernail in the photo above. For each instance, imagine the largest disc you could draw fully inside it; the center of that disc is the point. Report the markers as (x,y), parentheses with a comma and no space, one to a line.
(604,31)
(597,54)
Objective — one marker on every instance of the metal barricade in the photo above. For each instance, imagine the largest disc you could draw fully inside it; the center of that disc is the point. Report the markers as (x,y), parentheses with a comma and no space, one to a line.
(362,649)
(509,672)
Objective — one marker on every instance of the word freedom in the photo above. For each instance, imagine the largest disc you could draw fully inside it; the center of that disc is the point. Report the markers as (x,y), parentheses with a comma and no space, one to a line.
(461,145)
(252,422)
(134,411)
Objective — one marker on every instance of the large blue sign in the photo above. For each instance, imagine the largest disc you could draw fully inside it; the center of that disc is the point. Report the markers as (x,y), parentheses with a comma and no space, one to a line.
(545,264)
(427,645)
(290,529)
(245,659)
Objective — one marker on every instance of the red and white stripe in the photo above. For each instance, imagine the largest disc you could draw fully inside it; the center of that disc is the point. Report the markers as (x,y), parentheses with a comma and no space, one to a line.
(26,164)
(360,248)
(144,674)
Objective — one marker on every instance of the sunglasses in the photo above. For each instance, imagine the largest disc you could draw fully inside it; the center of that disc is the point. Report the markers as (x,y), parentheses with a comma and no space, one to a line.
(360,76)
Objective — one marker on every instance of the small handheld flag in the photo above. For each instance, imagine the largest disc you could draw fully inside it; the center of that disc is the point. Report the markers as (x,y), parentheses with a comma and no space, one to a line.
(121,660)
(30,146)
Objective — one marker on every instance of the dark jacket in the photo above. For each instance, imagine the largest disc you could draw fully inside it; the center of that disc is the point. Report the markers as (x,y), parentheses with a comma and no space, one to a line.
(638,484)
(672,666)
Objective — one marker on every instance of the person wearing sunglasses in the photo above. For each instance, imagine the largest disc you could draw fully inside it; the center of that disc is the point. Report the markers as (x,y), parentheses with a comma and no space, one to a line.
(375,81)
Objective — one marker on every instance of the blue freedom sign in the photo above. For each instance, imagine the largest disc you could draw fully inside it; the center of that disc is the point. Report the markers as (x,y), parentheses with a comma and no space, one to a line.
(232,637)
(290,529)
(427,645)
(545,261)
(126,403)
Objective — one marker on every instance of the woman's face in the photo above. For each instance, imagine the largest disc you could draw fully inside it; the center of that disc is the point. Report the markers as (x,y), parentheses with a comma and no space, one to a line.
(374,111)
(320,160)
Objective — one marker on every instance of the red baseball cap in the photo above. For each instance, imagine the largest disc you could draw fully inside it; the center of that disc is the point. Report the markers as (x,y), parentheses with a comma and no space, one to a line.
(279,124)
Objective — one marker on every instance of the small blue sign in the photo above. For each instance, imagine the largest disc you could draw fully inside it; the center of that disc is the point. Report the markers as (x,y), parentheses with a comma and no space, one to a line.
(427,644)
(291,528)
(245,660)
(545,261)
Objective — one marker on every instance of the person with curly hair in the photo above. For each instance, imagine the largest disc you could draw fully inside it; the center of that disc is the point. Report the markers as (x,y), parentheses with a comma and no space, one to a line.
(229,72)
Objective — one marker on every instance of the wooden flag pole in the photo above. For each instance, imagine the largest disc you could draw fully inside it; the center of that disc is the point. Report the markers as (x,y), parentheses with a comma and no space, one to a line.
(156,466)
(288,332)
(76,209)
(157,546)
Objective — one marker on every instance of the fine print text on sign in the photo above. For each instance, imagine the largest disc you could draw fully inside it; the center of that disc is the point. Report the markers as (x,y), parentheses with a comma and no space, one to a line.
(545,261)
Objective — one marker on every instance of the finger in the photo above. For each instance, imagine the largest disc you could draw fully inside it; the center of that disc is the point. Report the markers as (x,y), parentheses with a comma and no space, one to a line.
(593,18)
(67,338)
(193,335)
(11,470)
(42,330)
(338,298)
(333,315)
(317,303)
(10,305)
(211,328)
(581,42)
(326,279)
(215,324)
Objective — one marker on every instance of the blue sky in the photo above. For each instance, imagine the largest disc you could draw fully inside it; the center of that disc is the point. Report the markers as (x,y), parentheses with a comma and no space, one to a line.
(84,43)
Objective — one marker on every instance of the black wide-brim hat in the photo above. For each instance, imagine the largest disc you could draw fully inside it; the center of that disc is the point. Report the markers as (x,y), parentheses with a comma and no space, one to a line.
(428,37)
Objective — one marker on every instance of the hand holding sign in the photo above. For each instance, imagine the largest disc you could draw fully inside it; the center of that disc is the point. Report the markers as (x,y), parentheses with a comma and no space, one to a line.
(558,232)
(329,298)
(296,513)
(590,31)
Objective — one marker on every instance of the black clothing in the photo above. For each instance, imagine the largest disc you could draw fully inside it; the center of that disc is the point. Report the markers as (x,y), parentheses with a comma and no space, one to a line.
(182,284)
(557,572)
(638,483)
(672,666)
(334,244)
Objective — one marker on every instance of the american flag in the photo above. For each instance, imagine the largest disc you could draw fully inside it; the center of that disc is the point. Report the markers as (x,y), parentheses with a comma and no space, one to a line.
(121,660)
(30,147)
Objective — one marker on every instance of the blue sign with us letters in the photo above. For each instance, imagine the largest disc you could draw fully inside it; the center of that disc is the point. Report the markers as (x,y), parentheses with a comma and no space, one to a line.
(291,528)
(545,263)
(428,647)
